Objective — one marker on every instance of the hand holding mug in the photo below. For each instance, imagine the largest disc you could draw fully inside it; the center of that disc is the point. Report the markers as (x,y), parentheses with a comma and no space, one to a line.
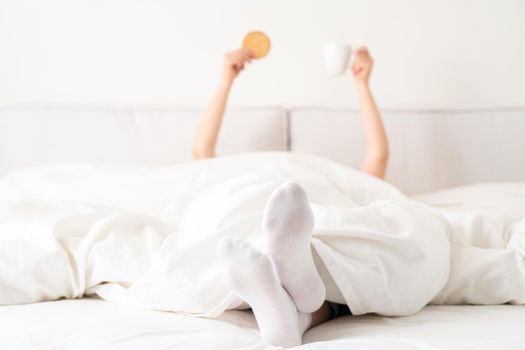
(362,65)
(338,55)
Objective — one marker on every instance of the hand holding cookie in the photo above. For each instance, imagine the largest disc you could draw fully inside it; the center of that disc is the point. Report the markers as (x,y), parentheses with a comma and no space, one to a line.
(255,45)
(234,63)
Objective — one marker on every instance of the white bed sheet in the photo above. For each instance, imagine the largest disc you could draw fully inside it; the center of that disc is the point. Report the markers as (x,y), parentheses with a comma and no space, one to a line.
(97,324)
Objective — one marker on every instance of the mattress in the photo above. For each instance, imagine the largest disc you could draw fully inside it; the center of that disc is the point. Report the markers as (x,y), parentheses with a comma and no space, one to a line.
(97,324)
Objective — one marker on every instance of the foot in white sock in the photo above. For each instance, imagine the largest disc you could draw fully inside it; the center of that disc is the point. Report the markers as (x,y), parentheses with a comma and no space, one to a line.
(248,274)
(288,222)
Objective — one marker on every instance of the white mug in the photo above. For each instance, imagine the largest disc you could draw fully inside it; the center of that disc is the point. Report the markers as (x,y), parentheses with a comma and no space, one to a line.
(336,57)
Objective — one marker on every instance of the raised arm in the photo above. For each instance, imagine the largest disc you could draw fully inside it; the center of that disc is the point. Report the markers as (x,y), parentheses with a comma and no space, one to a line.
(209,126)
(376,154)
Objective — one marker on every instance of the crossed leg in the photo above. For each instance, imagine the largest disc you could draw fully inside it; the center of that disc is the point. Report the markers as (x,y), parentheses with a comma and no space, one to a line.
(283,289)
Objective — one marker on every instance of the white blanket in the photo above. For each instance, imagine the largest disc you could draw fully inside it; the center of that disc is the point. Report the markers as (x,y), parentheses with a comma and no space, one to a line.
(488,243)
(146,236)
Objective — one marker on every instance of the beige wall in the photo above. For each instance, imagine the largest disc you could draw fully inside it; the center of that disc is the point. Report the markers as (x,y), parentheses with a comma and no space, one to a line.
(167,52)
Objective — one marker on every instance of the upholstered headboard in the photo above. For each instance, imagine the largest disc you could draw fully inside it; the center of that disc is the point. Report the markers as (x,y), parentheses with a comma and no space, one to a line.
(430,149)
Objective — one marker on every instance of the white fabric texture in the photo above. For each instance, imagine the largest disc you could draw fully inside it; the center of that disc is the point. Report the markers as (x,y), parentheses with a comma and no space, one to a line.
(488,249)
(97,324)
(40,136)
(147,236)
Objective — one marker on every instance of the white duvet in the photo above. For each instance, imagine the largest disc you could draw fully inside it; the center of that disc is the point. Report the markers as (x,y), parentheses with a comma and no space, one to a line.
(146,236)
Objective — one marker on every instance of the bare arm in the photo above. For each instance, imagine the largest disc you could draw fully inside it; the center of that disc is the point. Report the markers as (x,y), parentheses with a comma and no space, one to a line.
(376,154)
(209,126)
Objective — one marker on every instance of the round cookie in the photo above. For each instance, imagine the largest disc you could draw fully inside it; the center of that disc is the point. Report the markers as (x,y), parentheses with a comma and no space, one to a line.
(258,43)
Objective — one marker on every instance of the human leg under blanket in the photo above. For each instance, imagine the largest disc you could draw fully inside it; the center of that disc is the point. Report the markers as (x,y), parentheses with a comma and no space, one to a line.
(389,257)
(248,274)
(288,223)
(277,286)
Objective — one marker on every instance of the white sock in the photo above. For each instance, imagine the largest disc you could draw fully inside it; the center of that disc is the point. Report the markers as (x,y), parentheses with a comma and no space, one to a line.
(248,274)
(288,222)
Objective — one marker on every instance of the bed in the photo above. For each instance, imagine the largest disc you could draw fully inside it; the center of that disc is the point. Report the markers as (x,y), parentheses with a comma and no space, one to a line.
(97,324)
(436,155)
